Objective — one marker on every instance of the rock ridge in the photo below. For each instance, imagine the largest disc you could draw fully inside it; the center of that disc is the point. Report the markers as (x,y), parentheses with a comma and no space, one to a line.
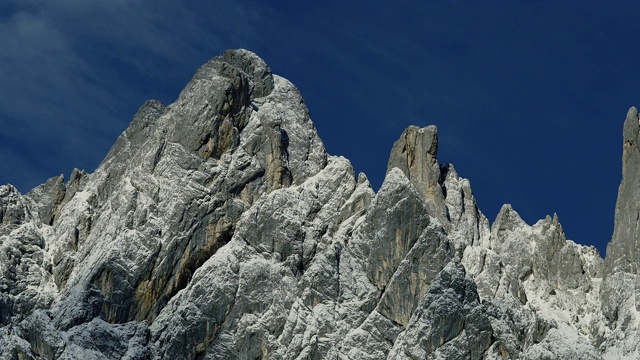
(218,227)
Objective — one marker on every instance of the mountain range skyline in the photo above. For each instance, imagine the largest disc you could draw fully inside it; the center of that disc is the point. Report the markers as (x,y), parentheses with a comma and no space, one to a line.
(219,226)
(529,99)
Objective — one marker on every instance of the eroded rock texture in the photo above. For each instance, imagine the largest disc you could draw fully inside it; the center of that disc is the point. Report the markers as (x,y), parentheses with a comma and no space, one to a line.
(219,228)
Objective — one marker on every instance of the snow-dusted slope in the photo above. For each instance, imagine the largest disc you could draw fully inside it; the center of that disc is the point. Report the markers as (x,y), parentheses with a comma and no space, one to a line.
(219,228)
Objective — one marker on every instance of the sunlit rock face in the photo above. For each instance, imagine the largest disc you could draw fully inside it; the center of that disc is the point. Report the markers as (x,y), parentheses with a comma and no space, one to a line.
(218,227)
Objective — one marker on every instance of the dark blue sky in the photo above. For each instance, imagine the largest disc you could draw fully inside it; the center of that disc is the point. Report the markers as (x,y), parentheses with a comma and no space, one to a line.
(529,98)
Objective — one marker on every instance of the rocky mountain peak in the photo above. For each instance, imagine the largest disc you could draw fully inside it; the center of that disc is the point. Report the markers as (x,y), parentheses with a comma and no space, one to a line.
(621,283)
(415,154)
(218,227)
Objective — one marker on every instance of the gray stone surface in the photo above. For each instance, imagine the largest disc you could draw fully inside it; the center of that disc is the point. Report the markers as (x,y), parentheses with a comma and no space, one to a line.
(218,227)
(620,292)
(621,263)
(449,314)
(415,155)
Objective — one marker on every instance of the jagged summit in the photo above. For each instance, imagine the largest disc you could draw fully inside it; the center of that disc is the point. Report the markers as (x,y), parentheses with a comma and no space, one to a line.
(218,227)
(415,154)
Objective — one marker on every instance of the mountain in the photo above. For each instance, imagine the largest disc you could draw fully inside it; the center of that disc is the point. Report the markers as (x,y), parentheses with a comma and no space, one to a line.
(218,227)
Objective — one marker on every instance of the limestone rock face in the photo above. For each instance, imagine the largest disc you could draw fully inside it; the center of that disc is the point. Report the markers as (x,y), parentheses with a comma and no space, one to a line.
(218,227)
(621,284)
(415,155)
(450,322)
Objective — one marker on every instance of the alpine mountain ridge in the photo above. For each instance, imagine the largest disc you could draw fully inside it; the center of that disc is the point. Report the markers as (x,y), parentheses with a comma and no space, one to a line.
(218,227)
